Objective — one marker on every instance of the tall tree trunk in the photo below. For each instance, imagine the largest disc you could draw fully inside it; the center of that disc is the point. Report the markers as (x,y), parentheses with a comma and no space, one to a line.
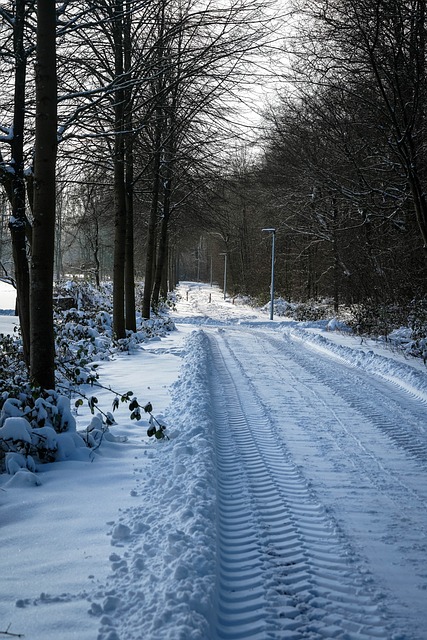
(119,181)
(172,268)
(158,88)
(96,255)
(161,263)
(417,168)
(165,273)
(130,310)
(336,259)
(151,232)
(19,220)
(42,346)
(129,262)
(166,179)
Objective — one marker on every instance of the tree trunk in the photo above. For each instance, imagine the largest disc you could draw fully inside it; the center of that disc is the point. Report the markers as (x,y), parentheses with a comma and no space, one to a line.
(165,273)
(19,219)
(159,88)
(130,311)
(151,233)
(129,262)
(42,346)
(161,264)
(119,182)
(420,201)
(96,255)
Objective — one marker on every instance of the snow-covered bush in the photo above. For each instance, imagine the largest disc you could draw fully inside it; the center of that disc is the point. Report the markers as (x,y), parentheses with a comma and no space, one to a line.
(403,339)
(31,426)
(43,429)
(16,461)
(86,295)
(38,427)
(300,311)
(402,325)
(13,372)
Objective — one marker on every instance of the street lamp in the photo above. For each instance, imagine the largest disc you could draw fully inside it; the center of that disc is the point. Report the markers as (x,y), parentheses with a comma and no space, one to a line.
(225,273)
(273,242)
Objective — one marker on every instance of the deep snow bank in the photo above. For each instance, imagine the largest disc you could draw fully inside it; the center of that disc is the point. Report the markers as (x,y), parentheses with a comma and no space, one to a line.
(167,541)
(410,375)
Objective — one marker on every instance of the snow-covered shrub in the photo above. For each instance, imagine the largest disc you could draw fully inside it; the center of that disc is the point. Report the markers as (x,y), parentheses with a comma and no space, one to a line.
(300,311)
(46,428)
(13,372)
(402,326)
(16,432)
(282,307)
(418,322)
(311,311)
(31,426)
(16,461)
(45,439)
(43,429)
(373,319)
(403,339)
(15,445)
(85,294)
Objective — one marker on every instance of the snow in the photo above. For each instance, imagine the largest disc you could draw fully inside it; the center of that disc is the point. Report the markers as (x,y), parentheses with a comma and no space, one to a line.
(289,501)
(15,429)
(7,305)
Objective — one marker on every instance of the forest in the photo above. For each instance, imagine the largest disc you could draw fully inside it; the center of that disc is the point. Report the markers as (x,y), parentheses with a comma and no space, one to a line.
(155,141)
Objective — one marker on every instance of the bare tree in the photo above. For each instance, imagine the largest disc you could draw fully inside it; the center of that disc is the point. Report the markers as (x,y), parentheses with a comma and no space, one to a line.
(375,50)
(42,345)
(204,57)
(12,171)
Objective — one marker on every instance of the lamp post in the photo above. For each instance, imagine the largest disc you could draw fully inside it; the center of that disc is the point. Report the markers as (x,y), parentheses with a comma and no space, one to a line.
(225,273)
(273,242)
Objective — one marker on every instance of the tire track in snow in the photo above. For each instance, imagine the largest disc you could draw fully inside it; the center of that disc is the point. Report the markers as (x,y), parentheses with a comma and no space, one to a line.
(373,488)
(378,401)
(355,401)
(282,571)
(353,412)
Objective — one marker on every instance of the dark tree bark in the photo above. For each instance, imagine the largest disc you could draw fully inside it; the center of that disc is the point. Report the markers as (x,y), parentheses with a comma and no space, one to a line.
(119,181)
(159,96)
(18,224)
(150,254)
(42,347)
(161,263)
(130,310)
(164,287)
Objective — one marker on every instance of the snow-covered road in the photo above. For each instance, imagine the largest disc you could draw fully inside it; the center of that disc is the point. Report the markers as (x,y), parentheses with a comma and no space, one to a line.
(290,501)
(322,492)
(322,488)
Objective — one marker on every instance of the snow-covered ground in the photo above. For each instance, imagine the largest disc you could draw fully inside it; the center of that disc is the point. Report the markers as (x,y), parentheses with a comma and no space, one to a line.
(290,501)
(7,305)
(7,296)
